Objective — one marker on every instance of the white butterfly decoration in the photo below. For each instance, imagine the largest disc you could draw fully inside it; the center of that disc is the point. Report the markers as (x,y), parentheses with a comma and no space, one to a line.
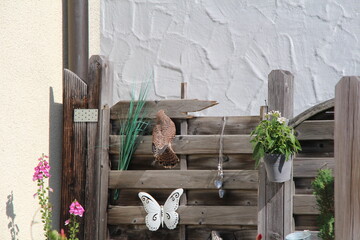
(161,214)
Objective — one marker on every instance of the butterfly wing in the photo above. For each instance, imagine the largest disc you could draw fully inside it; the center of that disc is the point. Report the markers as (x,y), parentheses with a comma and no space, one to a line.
(151,206)
(171,218)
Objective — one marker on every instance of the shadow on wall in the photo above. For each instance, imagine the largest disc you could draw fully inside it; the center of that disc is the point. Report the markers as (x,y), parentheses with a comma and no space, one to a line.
(12,226)
(55,153)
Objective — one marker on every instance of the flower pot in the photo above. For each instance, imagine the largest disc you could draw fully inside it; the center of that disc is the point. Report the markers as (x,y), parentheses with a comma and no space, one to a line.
(277,169)
(305,235)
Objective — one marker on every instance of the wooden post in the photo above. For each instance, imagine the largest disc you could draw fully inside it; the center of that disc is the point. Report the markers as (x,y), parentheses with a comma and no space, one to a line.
(183,158)
(98,97)
(102,151)
(347,158)
(275,214)
(85,162)
(74,146)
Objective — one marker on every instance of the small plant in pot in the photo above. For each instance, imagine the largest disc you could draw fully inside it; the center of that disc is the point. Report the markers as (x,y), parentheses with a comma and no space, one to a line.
(275,142)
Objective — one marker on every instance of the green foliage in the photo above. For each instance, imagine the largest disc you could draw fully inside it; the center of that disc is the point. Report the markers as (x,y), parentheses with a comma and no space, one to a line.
(274,136)
(132,128)
(324,192)
(55,235)
(74,227)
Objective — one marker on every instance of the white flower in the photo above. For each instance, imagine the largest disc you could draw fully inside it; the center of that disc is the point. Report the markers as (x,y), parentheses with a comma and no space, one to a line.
(275,113)
(281,120)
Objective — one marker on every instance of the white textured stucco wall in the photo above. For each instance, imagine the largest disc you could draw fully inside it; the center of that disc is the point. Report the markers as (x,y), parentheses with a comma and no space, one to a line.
(31,107)
(225,49)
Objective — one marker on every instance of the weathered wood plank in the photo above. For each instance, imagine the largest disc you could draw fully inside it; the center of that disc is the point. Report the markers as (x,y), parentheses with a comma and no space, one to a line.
(316,130)
(139,162)
(140,232)
(262,214)
(74,146)
(231,232)
(129,197)
(309,167)
(311,112)
(194,162)
(103,168)
(305,204)
(303,185)
(276,208)
(191,179)
(347,158)
(189,215)
(306,222)
(213,125)
(192,144)
(317,148)
(232,198)
(231,161)
(172,108)
(183,159)
(91,202)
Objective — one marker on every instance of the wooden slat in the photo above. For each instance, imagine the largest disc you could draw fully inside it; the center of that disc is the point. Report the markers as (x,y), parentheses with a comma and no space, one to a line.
(347,158)
(316,130)
(141,232)
(101,159)
(305,204)
(91,202)
(228,232)
(317,148)
(231,197)
(275,208)
(129,197)
(191,179)
(311,112)
(189,215)
(231,161)
(74,146)
(194,162)
(193,144)
(309,167)
(183,159)
(306,222)
(103,166)
(213,125)
(303,185)
(172,108)
(139,162)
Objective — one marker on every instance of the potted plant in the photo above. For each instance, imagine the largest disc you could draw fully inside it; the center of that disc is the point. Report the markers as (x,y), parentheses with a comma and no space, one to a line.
(275,142)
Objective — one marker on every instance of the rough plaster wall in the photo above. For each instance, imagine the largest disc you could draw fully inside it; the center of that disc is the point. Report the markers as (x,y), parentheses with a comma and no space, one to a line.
(31,107)
(30,118)
(225,49)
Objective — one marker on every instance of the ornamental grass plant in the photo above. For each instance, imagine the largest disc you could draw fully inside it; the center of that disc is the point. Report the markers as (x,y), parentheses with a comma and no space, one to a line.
(132,128)
(273,136)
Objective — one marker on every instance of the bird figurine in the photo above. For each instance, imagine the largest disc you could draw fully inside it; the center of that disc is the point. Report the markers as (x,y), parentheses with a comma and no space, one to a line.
(163,133)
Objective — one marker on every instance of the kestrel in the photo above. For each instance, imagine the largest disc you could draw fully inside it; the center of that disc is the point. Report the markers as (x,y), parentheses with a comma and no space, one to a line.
(163,133)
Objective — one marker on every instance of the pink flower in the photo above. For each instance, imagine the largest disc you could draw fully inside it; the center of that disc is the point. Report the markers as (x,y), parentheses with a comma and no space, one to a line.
(41,170)
(67,222)
(76,209)
(62,234)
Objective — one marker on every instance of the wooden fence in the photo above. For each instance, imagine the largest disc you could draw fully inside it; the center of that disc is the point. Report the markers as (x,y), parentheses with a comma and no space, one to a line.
(197,142)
